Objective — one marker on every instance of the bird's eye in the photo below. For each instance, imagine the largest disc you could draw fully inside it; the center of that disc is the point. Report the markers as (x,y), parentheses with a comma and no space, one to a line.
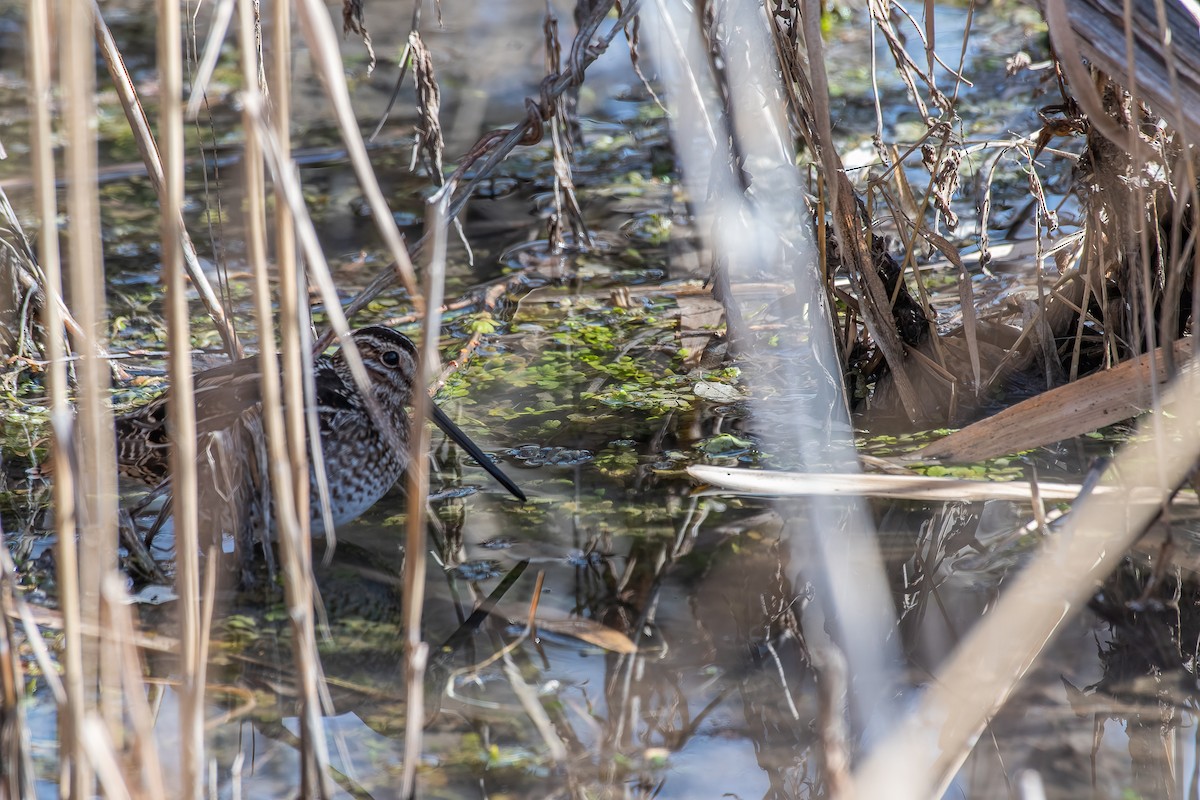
(391,358)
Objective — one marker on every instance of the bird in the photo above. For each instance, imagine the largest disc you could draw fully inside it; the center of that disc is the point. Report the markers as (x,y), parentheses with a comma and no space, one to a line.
(364,455)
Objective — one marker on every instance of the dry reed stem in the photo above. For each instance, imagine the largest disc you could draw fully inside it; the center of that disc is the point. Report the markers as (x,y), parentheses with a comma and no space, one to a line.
(286,512)
(45,200)
(895,486)
(182,404)
(80,569)
(33,633)
(417,485)
(300,407)
(101,752)
(322,42)
(295,543)
(288,185)
(143,137)
(296,552)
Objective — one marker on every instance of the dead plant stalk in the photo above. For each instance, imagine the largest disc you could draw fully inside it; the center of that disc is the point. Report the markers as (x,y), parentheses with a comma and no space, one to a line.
(182,408)
(416,650)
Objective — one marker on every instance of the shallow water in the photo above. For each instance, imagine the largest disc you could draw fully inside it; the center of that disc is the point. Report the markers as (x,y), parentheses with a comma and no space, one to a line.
(585,396)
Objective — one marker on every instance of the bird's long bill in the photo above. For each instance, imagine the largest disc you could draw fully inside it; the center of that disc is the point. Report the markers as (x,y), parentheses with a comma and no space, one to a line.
(454,432)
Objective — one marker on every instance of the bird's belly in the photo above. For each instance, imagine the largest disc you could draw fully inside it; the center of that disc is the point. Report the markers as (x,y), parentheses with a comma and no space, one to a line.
(352,493)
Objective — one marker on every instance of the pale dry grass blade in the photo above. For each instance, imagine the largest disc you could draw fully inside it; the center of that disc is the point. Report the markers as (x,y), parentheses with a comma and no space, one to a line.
(417,484)
(288,184)
(101,752)
(415,660)
(921,756)
(182,405)
(299,410)
(322,42)
(218,29)
(294,315)
(33,636)
(293,302)
(45,199)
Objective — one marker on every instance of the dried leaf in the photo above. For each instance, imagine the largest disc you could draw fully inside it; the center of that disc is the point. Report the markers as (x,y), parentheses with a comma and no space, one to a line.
(592,632)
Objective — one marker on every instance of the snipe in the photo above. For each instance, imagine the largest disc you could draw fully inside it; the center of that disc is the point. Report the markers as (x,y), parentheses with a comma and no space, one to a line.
(362,460)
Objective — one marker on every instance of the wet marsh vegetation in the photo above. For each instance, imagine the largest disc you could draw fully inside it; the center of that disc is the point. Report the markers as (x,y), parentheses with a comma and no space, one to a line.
(730,349)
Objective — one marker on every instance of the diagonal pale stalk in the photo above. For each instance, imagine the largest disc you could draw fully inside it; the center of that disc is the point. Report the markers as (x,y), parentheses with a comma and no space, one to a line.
(765,229)
(218,29)
(323,45)
(292,537)
(182,405)
(101,752)
(144,139)
(33,634)
(919,758)
(415,649)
